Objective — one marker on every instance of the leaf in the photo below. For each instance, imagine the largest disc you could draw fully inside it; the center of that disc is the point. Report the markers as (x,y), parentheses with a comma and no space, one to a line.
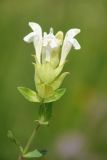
(13,139)
(10,135)
(57,95)
(29,94)
(33,154)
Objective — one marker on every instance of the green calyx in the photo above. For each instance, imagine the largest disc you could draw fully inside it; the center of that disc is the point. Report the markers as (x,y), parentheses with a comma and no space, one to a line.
(47,82)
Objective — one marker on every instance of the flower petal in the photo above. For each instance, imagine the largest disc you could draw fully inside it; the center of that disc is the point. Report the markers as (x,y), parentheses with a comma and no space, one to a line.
(35,26)
(29,38)
(69,41)
(75,44)
(65,50)
(48,54)
(73,32)
(37,39)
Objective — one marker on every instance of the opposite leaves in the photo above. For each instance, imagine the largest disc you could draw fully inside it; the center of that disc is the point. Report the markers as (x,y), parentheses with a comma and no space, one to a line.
(32,96)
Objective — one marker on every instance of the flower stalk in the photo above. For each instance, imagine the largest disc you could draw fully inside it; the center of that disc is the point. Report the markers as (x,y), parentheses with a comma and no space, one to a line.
(31,139)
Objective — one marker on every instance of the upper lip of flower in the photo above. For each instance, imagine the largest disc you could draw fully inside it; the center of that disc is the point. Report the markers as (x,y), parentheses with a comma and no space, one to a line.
(69,42)
(50,41)
(36,38)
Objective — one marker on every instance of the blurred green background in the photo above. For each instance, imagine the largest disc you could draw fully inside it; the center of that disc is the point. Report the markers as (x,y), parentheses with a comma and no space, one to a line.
(78,130)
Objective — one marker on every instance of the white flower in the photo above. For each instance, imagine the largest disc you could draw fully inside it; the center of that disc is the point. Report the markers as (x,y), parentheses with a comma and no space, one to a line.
(50,42)
(69,42)
(36,38)
(51,53)
(44,45)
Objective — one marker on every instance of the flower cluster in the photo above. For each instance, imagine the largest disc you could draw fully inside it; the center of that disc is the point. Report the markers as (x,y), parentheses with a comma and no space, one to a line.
(50,56)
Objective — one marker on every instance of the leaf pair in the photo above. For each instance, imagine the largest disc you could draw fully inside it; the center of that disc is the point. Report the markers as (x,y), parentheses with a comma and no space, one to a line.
(32,96)
(32,154)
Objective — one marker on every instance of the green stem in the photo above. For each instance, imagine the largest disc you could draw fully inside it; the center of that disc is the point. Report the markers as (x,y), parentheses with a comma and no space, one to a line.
(31,138)
(45,113)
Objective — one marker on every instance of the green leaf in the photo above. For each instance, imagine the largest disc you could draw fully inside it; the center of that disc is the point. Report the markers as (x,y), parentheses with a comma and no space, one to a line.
(57,95)
(29,94)
(33,154)
(13,139)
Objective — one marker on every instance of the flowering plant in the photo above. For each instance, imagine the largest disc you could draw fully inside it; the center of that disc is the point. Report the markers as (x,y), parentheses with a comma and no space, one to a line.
(50,57)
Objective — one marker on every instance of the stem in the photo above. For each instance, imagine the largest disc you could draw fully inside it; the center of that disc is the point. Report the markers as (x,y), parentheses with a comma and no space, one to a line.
(31,139)
(45,113)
